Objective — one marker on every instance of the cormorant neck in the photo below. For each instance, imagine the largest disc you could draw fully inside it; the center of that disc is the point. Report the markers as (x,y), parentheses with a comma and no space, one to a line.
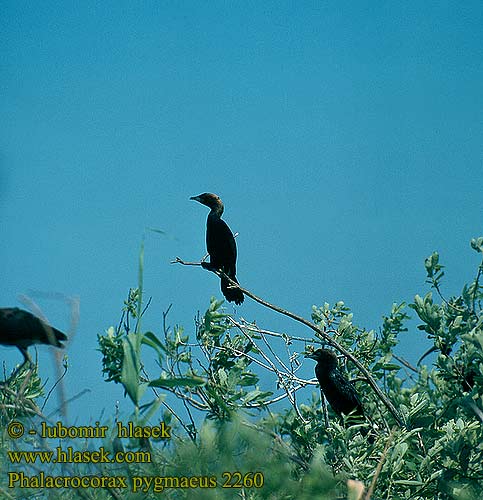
(217,209)
(328,364)
(326,370)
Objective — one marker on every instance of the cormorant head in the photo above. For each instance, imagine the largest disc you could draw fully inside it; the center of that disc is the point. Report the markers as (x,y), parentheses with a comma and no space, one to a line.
(210,200)
(324,357)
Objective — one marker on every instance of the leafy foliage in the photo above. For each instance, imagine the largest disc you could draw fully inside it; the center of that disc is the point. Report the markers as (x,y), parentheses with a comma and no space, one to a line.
(236,399)
(245,368)
(19,393)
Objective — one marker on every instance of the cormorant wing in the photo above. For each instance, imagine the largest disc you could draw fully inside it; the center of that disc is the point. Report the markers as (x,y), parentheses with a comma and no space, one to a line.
(221,245)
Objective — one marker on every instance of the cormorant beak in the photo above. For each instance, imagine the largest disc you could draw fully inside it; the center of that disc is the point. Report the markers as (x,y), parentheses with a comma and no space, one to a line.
(310,355)
(196,198)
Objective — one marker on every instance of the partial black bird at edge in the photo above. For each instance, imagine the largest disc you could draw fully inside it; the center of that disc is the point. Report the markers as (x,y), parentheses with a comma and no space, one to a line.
(221,246)
(22,329)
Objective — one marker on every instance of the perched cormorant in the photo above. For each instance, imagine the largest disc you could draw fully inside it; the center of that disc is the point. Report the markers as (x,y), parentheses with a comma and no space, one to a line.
(221,246)
(339,392)
(22,329)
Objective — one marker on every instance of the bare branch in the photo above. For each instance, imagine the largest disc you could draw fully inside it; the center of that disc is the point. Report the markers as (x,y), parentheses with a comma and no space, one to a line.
(405,363)
(178,260)
(379,465)
(319,332)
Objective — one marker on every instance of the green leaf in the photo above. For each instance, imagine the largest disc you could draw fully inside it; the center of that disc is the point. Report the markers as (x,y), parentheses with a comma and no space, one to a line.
(178,381)
(477,244)
(390,366)
(152,341)
(407,482)
(131,367)
(140,286)
(154,230)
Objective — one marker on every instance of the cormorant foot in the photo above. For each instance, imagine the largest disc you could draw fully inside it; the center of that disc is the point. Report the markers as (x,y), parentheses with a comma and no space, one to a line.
(208,266)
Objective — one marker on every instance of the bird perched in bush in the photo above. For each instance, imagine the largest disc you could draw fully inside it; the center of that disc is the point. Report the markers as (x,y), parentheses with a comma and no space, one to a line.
(221,246)
(22,329)
(339,392)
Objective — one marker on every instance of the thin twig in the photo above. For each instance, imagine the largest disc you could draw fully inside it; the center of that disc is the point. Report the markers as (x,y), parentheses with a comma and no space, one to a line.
(280,375)
(53,387)
(379,465)
(406,363)
(269,367)
(274,400)
(283,336)
(70,400)
(477,285)
(477,411)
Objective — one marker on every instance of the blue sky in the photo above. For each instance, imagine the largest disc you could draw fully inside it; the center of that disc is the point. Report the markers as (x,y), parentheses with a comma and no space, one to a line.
(344,139)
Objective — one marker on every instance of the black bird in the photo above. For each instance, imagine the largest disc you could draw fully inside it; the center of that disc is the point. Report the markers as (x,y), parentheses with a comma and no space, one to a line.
(339,392)
(22,329)
(221,246)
